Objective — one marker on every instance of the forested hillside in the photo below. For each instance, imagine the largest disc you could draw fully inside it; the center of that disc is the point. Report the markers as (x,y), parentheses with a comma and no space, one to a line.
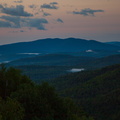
(98,91)
(21,99)
(53,60)
(51,66)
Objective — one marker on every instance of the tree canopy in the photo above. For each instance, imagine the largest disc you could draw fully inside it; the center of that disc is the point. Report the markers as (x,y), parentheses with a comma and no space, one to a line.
(21,99)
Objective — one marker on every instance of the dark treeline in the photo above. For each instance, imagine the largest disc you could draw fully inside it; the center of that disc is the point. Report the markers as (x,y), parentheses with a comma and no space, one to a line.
(21,99)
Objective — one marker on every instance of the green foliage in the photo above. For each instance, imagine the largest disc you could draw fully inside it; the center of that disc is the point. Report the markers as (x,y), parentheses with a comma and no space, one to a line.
(40,73)
(10,80)
(20,99)
(11,110)
(43,102)
(96,91)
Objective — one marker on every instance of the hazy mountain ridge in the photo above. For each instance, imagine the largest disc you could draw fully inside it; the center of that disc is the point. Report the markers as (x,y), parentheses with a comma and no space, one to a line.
(56,45)
(72,46)
(114,43)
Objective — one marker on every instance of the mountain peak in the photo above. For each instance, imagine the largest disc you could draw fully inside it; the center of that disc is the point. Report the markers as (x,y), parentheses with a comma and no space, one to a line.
(58,45)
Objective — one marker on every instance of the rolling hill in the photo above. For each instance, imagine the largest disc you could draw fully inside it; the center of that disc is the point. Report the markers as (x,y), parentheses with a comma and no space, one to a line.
(54,65)
(53,60)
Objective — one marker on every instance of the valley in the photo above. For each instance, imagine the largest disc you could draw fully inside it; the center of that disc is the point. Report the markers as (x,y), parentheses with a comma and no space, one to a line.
(87,71)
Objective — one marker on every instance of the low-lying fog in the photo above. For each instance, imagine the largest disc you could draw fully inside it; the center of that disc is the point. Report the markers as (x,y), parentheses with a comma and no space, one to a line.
(76,70)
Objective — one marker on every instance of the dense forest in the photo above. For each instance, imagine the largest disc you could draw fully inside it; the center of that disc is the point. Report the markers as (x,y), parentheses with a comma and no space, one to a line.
(97,91)
(21,99)
(85,95)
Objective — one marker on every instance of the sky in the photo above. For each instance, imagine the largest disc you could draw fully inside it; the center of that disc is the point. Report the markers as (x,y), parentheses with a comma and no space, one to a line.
(28,20)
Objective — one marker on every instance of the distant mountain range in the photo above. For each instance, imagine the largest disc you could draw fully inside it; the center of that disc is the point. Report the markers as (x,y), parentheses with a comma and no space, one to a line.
(114,43)
(70,46)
